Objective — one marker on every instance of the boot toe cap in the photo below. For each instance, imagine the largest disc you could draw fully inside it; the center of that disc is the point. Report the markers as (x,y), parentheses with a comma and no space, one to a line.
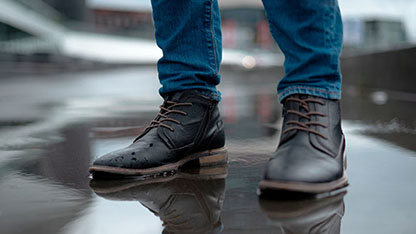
(114,159)
(304,171)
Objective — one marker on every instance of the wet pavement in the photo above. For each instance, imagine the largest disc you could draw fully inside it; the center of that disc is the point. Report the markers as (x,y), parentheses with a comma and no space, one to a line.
(52,127)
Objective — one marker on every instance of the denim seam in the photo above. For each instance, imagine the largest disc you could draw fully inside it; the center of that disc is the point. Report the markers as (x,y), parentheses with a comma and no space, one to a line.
(210,36)
(329,28)
(214,42)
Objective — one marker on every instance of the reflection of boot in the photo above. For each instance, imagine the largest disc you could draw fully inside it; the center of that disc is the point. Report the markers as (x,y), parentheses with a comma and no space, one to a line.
(322,216)
(186,203)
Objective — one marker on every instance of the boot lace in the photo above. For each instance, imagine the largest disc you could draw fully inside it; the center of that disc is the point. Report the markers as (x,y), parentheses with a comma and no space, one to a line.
(305,126)
(162,116)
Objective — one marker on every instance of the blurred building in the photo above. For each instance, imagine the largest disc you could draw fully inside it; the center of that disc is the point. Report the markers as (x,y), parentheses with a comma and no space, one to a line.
(246,26)
(123,17)
(28,27)
(373,33)
(75,10)
(46,26)
(244,22)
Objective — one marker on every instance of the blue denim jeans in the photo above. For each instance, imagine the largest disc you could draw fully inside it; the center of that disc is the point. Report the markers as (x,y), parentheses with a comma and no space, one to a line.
(309,32)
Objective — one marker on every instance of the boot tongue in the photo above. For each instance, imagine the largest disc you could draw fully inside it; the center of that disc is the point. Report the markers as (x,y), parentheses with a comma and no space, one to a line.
(294,106)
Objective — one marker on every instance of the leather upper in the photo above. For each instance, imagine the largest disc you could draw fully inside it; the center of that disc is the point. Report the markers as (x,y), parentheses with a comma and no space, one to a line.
(304,156)
(201,128)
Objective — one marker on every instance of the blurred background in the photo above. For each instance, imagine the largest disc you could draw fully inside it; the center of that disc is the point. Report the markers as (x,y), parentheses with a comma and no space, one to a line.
(62,34)
(78,79)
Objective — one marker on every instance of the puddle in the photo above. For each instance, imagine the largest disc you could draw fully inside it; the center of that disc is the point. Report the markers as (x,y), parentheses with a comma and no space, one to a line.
(45,186)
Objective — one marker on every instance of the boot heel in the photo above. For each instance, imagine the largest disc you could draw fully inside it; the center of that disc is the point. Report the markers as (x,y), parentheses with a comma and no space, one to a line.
(213,157)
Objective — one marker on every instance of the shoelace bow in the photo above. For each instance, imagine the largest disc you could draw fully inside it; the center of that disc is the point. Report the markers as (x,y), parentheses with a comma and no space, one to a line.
(305,126)
(165,110)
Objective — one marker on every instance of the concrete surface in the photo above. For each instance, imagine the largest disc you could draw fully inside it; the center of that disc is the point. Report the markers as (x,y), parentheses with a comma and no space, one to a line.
(52,127)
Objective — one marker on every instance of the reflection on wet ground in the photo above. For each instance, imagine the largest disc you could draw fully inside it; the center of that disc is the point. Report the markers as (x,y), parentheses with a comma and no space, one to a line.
(46,148)
(187,202)
(322,215)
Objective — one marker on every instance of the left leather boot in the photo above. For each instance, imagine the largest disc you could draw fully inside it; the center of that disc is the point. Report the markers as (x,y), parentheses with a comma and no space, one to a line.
(188,128)
(310,157)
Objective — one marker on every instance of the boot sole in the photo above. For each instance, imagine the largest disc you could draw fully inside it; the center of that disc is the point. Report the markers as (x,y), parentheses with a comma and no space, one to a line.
(304,187)
(206,173)
(204,158)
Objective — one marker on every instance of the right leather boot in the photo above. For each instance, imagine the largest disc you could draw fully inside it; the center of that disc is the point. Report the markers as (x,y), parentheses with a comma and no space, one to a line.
(187,128)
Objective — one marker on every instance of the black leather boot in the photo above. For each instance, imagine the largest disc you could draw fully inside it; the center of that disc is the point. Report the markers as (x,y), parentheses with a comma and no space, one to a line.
(187,128)
(310,157)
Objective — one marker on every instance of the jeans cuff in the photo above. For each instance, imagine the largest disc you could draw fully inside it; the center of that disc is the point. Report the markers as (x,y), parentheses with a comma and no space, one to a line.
(319,92)
(216,95)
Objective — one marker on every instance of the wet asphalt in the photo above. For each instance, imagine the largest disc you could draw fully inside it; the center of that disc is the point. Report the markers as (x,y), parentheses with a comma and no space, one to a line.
(53,126)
